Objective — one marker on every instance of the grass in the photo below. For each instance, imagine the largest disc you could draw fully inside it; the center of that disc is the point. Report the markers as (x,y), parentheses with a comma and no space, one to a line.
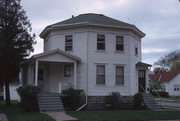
(120,115)
(15,113)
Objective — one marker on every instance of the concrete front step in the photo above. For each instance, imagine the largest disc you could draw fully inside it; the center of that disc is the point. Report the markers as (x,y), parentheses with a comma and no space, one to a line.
(49,93)
(150,102)
(50,106)
(52,97)
(50,102)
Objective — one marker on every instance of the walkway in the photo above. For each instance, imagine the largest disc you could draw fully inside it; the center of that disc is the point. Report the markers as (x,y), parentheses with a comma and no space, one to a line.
(3,117)
(61,116)
(170,105)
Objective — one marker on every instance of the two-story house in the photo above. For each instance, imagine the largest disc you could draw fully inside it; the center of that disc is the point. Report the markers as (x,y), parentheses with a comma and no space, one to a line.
(92,52)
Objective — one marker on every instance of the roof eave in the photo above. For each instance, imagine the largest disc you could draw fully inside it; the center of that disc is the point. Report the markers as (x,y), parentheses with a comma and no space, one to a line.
(53,51)
(48,28)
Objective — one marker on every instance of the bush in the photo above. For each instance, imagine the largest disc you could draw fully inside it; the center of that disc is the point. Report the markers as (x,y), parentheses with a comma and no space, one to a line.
(112,100)
(28,95)
(138,101)
(73,98)
(161,93)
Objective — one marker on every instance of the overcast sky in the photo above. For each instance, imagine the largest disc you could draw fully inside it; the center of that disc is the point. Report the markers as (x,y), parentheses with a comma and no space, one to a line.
(158,19)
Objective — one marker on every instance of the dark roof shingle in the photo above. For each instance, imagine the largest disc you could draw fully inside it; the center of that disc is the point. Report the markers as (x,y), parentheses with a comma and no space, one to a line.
(93,18)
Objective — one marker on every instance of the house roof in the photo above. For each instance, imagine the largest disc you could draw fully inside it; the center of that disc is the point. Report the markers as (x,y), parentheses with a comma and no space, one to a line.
(92,19)
(143,64)
(164,76)
(55,51)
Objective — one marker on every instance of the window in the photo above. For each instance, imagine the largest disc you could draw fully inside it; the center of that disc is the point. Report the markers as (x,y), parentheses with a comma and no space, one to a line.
(119,75)
(67,70)
(119,43)
(176,87)
(68,43)
(100,42)
(100,74)
(136,51)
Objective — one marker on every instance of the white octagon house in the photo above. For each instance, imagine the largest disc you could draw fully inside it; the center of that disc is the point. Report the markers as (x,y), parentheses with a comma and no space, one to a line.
(91,52)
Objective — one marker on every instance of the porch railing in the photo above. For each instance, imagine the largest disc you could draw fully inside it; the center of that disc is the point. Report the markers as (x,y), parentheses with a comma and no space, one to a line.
(65,86)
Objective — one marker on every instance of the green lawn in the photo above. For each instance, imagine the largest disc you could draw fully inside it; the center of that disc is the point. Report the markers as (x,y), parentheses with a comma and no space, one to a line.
(15,113)
(119,115)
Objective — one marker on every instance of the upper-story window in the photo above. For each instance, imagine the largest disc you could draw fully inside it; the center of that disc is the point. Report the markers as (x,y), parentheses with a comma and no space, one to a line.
(136,51)
(119,43)
(68,43)
(100,42)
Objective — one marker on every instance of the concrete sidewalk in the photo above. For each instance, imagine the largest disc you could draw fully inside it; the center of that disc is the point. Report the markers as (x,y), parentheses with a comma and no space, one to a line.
(169,105)
(61,116)
(3,117)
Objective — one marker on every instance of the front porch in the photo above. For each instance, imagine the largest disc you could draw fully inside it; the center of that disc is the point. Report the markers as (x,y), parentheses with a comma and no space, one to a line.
(52,71)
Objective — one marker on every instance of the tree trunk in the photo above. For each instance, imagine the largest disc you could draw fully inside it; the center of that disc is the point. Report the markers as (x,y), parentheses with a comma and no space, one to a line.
(8,100)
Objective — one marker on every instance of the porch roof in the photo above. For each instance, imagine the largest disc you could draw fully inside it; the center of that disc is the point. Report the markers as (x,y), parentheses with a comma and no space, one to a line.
(55,51)
(143,64)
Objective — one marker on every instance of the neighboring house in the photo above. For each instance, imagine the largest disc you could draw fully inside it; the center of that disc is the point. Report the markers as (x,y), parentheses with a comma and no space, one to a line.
(91,52)
(13,92)
(170,81)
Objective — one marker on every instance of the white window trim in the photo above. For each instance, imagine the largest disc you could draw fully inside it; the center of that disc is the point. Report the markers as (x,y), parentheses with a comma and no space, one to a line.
(100,64)
(99,50)
(65,43)
(120,51)
(120,65)
(177,87)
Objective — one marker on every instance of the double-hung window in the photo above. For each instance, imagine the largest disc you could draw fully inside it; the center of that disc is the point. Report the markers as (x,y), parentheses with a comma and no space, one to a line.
(67,70)
(100,42)
(119,75)
(119,43)
(100,74)
(68,43)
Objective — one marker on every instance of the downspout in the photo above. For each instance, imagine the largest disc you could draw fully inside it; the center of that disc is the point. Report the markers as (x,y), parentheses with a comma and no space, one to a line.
(86,74)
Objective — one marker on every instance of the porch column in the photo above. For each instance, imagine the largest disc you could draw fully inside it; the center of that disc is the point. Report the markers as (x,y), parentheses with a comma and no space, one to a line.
(75,75)
(36,73)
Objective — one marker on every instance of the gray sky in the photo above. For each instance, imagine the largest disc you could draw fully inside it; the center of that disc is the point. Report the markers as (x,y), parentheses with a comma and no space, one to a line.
(159,19)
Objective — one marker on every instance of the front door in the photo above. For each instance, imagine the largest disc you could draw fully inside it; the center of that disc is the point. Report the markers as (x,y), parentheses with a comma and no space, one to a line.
(41,79)
(142,80)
